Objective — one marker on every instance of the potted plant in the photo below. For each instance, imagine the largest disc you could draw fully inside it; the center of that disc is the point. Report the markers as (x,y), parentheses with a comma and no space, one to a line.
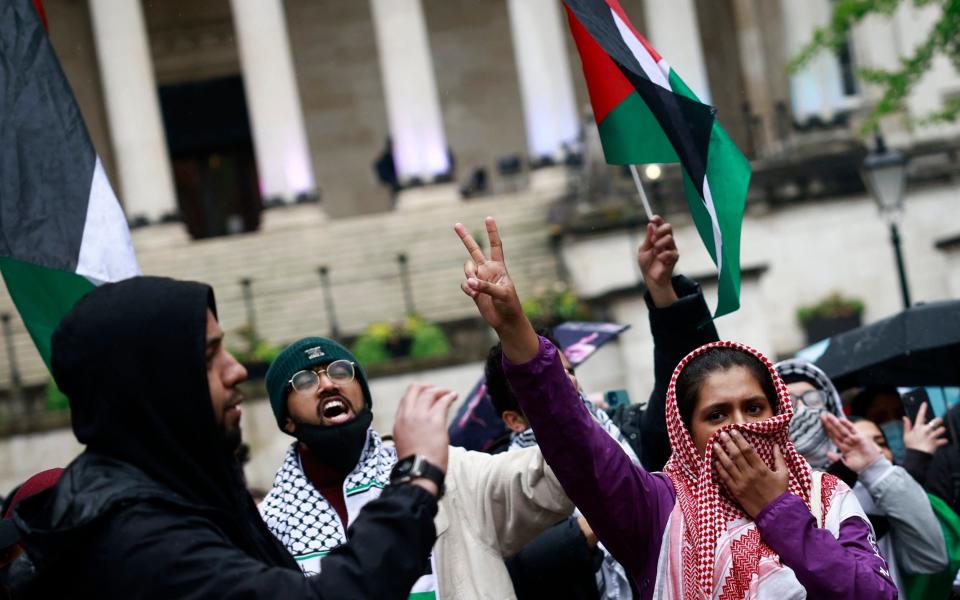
(413,337)
(256,355)
(371,347)
(832,315)
(555,306)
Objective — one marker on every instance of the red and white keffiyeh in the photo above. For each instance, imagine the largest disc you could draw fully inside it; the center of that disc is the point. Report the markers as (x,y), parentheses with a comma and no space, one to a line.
(707,512)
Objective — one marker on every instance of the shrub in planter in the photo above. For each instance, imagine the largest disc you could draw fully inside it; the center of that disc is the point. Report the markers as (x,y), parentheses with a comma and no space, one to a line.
(555,306)
(413,337)
(371,347)
(257,354)
(429,341)
(832,315)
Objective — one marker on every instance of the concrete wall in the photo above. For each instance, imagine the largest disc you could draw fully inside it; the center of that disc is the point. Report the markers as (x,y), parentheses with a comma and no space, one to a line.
(952,271)
(191,41)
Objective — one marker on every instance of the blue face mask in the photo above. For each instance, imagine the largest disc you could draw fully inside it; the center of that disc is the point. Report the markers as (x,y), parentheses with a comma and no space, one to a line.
(893,431)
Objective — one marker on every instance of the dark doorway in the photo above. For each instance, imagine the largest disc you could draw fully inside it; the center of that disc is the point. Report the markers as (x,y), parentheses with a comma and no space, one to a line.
(214,169)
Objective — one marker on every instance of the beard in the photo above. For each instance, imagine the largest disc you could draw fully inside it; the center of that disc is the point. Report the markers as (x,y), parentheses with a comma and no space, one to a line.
(232,438)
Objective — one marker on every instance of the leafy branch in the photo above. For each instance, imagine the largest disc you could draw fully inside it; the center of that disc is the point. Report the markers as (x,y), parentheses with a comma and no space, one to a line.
(896,84)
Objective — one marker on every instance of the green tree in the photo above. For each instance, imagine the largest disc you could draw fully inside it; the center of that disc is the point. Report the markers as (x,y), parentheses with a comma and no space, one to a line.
(896,84)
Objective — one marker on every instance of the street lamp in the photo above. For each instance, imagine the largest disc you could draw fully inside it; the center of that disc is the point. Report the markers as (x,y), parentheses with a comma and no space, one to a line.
(884,173)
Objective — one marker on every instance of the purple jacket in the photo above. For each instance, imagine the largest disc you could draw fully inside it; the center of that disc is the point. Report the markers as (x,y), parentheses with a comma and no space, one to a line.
(628,507)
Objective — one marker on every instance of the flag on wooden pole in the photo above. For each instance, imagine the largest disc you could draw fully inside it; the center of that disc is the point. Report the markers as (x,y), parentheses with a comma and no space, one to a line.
(646,114)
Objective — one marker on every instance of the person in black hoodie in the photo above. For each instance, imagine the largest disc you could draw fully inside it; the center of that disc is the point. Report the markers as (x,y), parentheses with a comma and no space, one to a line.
(680,322)
(155,506)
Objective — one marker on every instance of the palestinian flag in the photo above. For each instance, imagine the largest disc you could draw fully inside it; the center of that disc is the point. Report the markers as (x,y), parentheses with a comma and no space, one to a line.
(62,231)
(646,114)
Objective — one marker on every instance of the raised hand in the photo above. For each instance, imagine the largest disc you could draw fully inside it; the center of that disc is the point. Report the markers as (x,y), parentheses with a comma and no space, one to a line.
(489,285)
(420,427)
(856,450)
(744,474)
(487,280)
(657,256)
(923,436)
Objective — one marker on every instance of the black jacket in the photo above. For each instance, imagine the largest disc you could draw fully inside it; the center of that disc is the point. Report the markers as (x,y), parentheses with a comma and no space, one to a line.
(112,532)
(677,331)
(155,507)
(558,563)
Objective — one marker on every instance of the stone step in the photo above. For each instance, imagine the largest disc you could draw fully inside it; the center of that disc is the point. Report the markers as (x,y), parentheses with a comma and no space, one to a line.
(361,253)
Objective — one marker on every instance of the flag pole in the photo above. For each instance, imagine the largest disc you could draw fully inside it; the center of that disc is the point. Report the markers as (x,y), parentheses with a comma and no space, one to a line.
(643,194)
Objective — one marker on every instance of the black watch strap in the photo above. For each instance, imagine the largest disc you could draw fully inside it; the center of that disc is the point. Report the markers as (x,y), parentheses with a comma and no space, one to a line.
(416,466)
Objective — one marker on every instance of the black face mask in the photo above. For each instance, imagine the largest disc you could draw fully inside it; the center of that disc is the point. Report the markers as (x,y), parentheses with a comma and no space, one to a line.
(338,446)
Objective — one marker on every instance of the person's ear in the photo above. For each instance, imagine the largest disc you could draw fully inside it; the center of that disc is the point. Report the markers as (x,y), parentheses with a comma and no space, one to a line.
(514,420)
(289,425)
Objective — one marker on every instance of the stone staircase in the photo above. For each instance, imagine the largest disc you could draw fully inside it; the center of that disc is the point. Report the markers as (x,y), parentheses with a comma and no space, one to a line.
(361,254)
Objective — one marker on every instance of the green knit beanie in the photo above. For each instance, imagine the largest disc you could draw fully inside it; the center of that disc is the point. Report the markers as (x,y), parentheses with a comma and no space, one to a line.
(303,354)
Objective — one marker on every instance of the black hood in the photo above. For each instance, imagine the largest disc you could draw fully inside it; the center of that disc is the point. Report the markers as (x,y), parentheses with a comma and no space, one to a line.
(131,357)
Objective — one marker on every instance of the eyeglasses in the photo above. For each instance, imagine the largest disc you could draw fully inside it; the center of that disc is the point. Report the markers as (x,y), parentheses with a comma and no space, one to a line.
(810,398)
(340,372)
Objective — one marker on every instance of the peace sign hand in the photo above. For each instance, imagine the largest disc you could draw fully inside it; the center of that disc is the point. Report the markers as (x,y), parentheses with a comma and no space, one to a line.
(487,280)
(489,285)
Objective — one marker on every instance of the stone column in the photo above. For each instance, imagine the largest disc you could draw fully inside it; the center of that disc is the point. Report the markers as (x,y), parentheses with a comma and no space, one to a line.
(410,90)
(133,110)
(276,118)
(549,105)
(754,61)
(675,34)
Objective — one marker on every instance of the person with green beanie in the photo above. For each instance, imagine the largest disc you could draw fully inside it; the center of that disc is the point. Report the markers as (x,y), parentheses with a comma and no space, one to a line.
(490,506)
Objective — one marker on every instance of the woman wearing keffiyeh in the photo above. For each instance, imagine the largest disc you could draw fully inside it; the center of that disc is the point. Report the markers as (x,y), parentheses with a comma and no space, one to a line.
(737,512)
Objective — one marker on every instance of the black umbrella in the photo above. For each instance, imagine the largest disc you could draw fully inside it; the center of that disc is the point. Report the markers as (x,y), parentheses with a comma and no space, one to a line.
(917,347)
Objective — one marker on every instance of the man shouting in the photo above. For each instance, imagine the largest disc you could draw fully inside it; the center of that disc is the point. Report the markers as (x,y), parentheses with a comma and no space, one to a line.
(490,506)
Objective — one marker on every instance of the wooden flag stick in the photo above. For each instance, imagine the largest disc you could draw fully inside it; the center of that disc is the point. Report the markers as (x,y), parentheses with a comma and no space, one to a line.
(643,194)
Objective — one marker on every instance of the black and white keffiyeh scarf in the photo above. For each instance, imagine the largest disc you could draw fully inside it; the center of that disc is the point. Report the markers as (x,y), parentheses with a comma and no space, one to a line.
(806,430)
(302,519)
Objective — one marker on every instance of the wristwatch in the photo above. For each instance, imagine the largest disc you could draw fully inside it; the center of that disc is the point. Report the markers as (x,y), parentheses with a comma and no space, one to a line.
(413,467)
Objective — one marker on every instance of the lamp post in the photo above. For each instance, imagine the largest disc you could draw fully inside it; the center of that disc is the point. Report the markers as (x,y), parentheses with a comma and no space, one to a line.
(884,173)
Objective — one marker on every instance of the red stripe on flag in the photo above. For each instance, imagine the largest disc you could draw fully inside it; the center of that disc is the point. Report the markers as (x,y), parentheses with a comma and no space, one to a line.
(38,4)
(615,7)
(605,82)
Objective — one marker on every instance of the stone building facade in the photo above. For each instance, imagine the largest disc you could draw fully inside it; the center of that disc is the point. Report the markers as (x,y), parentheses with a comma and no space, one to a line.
(242,137)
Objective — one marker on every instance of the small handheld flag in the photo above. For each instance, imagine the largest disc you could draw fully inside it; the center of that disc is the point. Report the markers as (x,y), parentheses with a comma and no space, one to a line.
(646,114)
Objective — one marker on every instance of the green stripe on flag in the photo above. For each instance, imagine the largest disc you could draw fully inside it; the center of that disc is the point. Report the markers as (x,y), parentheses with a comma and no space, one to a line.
(631,135)
(679,87)
(43,296)
(423,596)
(728,175)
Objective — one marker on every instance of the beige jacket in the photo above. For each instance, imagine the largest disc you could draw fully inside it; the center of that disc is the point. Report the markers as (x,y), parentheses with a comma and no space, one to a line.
(493,506)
